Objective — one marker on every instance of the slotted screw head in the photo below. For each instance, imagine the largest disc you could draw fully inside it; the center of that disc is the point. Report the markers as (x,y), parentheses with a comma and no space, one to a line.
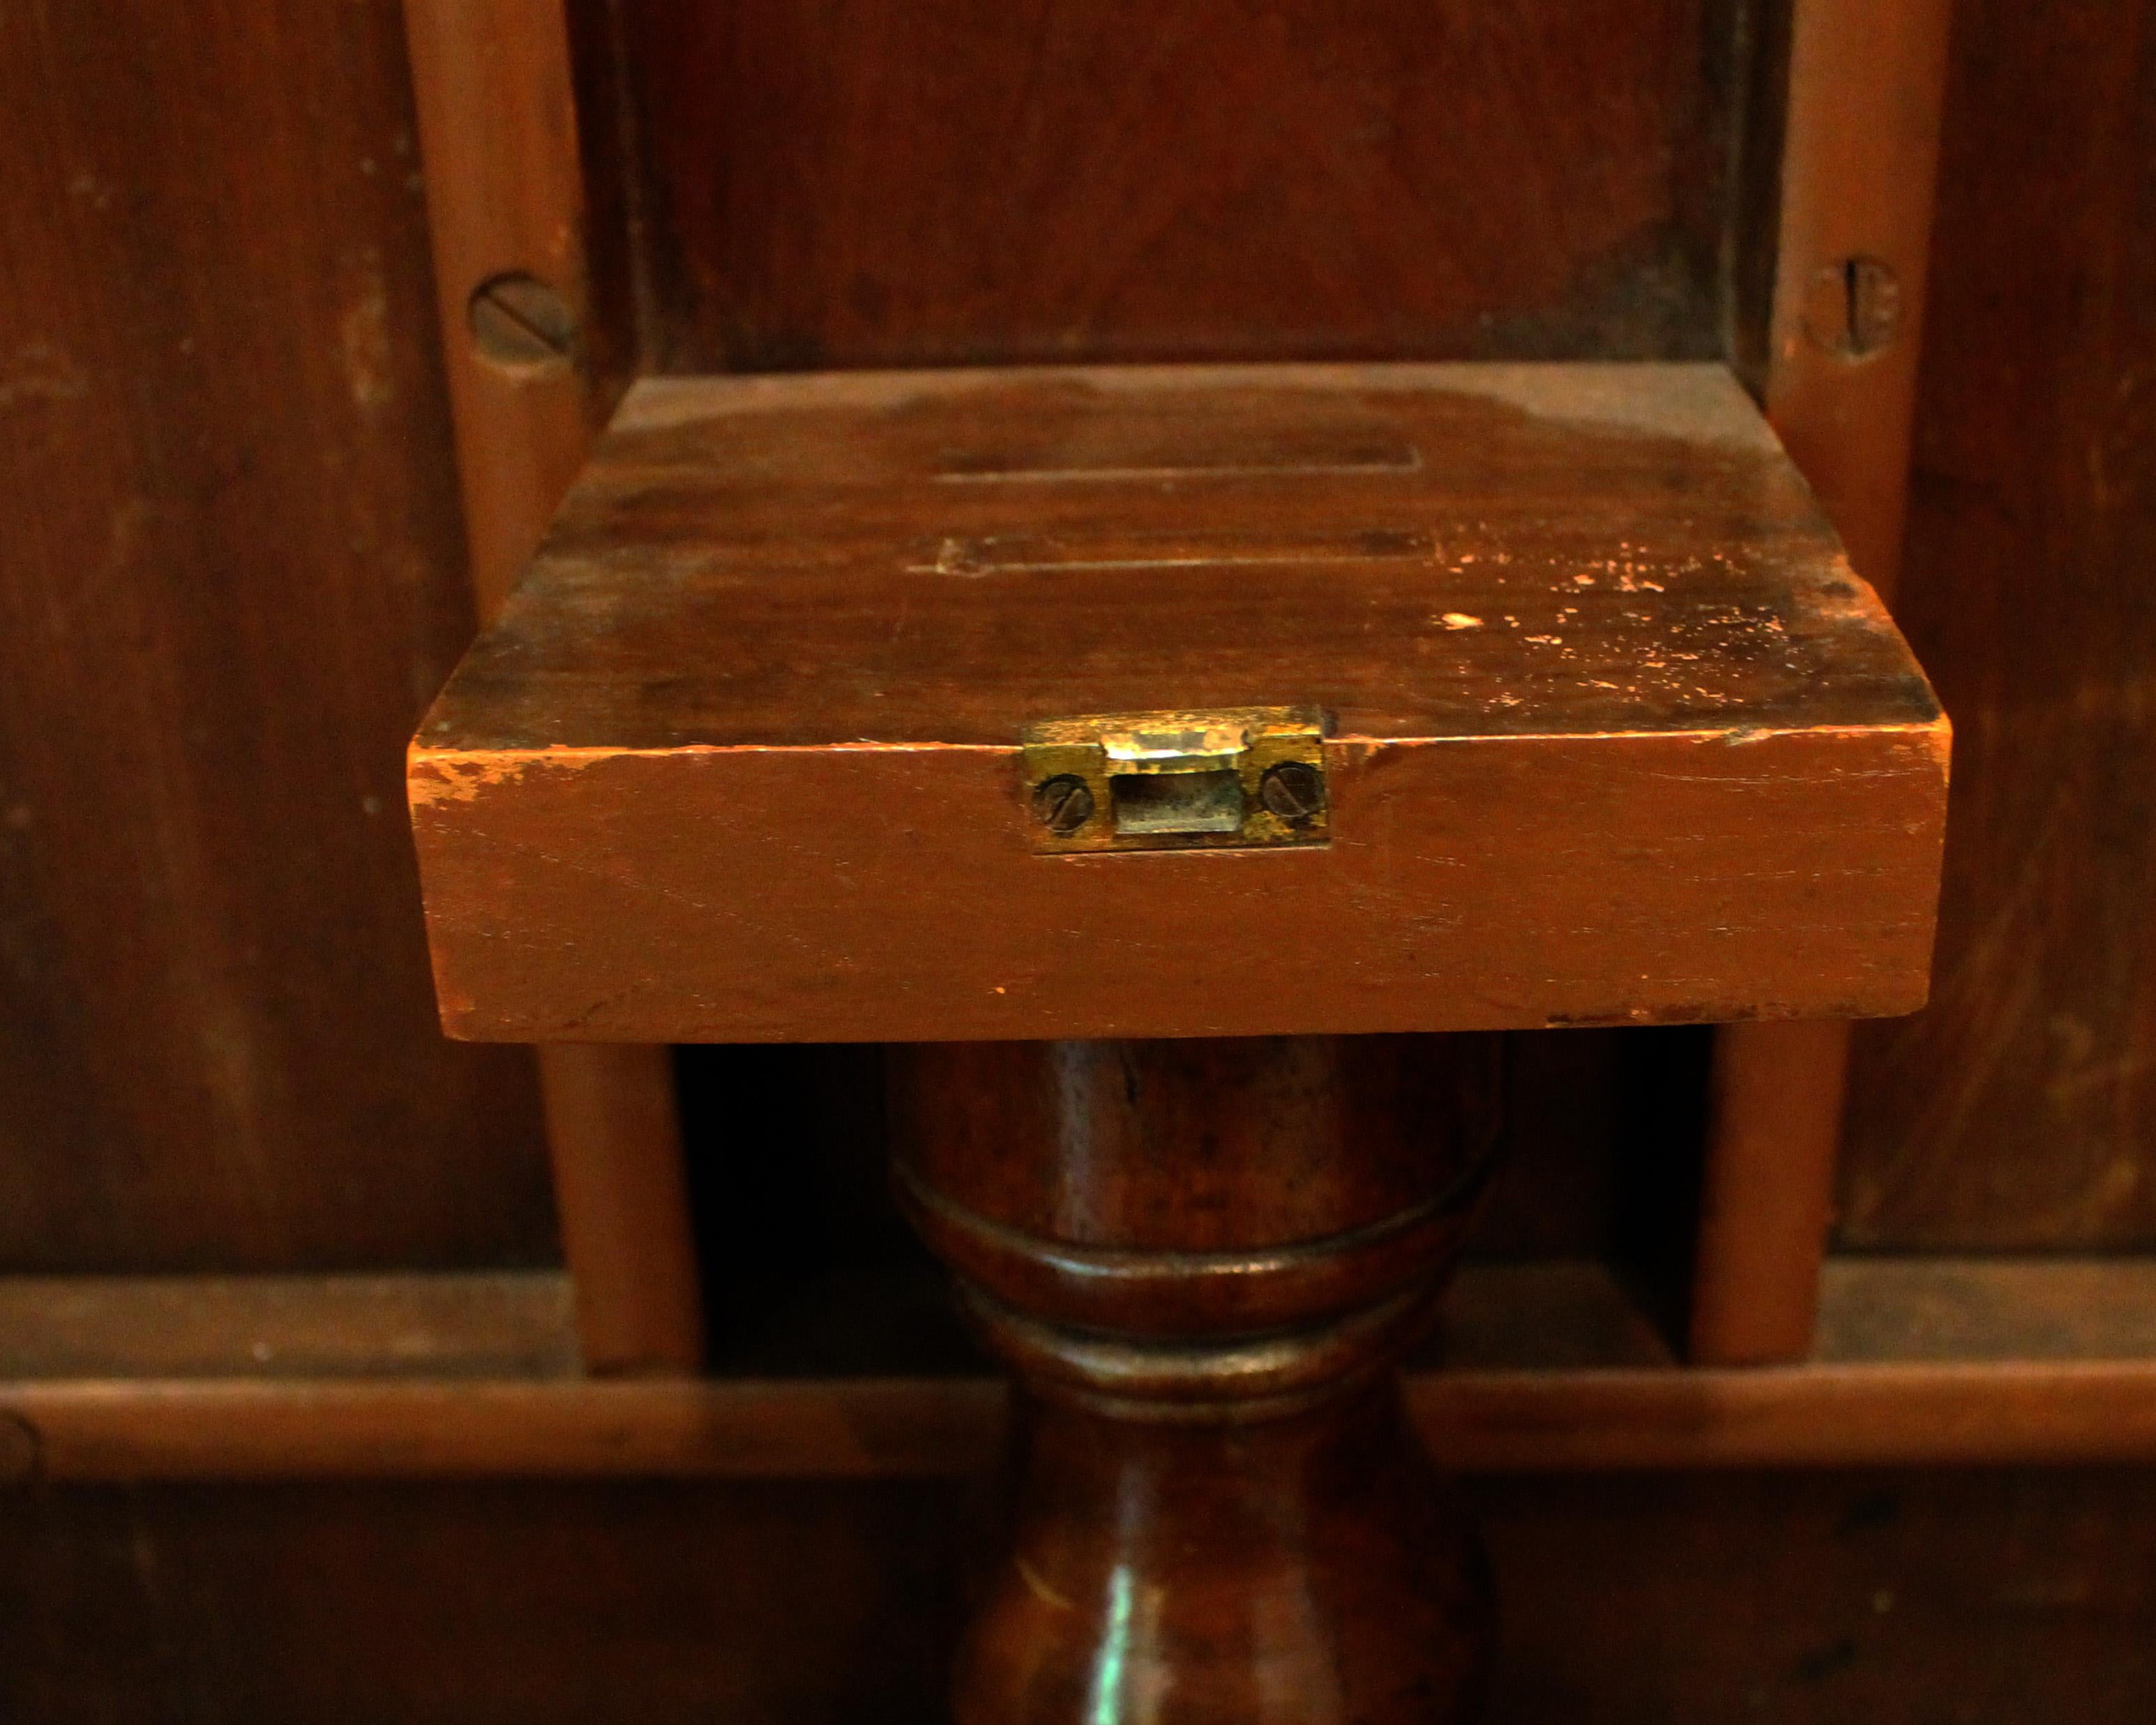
(1853,308)
(1062,804)
(519,322)
(1294,792)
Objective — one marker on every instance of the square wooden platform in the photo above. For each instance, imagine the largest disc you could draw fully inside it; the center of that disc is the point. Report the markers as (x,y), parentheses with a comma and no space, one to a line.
(1611,732)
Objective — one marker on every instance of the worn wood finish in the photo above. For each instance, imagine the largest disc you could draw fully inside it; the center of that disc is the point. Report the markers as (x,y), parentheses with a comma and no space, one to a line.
(233,576)
(1924,1362)
(1382,179)
(622,1191)
(1204,1260)
(1993,1597)
(619,1602)
(1775,1112)
(534,368)
(470,1324)
(1859,154)
(1599,677)
(2005,1309)
(1487,1419)
(2021,1112)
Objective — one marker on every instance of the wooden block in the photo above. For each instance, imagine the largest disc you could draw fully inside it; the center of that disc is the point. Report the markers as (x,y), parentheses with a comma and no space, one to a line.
(1613,734)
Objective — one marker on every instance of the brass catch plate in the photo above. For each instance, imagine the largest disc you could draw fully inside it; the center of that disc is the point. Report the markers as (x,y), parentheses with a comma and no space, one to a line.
(1238,778)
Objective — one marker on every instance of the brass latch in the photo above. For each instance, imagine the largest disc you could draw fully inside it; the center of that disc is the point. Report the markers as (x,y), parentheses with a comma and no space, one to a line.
(1177,781)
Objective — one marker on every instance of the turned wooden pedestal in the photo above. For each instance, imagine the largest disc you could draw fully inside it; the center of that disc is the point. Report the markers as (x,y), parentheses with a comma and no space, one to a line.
(1154,758)
(1203,1261)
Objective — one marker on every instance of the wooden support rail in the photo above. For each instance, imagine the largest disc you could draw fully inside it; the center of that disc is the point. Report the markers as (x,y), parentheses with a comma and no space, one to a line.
(533,372)
(1867,83)
(1478,1421)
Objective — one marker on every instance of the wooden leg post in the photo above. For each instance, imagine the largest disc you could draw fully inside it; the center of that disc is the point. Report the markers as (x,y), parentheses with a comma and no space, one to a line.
(1204,1260)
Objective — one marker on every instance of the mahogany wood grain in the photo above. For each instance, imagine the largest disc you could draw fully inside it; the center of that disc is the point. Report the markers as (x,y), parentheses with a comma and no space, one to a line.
(2019,1114)
(1205,1259)
(1617,737)
(232,577)
(1990,1597)
(1860,143)
(969,182)
(1917,1414)
(1931,1306)
(1774,1110)
(496,86)
(488,1324)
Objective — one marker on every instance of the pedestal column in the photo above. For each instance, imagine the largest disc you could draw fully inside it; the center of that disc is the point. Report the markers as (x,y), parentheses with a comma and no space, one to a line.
(1204,1260)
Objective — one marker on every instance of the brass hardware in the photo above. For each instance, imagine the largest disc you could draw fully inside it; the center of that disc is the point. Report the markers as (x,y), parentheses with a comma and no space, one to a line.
(1177,781)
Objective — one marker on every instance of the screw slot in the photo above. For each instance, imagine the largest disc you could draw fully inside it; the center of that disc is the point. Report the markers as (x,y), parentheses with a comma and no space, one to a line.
(521,324)
(1062,804)
(1853,309)
(1294,792)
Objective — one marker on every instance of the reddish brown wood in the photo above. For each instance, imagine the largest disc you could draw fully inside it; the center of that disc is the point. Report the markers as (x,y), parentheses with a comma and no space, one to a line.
(231,577)
(1918,1413)
(489,1324)
(1989,1597)
(622,1191)
(2020,1113)
(495,85)
(1205,1259)
(1926,1362)
(1384,179)
(1865,86)
(1774,1122)
(1616,737)
(496,97)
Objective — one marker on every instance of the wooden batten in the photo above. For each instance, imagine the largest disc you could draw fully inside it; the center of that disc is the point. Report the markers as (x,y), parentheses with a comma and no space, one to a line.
(532,372)
(1924,1363)
(1866,84)
(1615,737)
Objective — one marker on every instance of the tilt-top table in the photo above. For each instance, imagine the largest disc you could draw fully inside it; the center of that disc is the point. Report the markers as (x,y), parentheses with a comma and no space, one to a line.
(1156,757)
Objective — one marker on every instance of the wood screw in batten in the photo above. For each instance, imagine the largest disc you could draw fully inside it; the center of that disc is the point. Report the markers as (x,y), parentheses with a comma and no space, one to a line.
(521,324)
(1853,308)
(1062,804)
(21,1449)
(1293,791)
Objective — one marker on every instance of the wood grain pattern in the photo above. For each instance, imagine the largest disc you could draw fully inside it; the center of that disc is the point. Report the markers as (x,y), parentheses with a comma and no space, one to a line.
(1859,169)
(1927,1307)
(519,188)
(1919,1414)
(1597,673)
(1548,1368)
(1205,1261)
(1993,1598)
(970,181)
(437,1325)
(233,576)
(2021,1112)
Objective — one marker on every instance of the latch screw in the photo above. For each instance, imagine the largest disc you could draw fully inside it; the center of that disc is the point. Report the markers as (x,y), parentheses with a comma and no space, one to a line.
(1063,804)
(1294,792)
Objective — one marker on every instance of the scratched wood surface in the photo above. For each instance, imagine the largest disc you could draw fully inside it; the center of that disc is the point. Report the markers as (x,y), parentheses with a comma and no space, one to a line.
(949,181)
(1616,735)
(233,576)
